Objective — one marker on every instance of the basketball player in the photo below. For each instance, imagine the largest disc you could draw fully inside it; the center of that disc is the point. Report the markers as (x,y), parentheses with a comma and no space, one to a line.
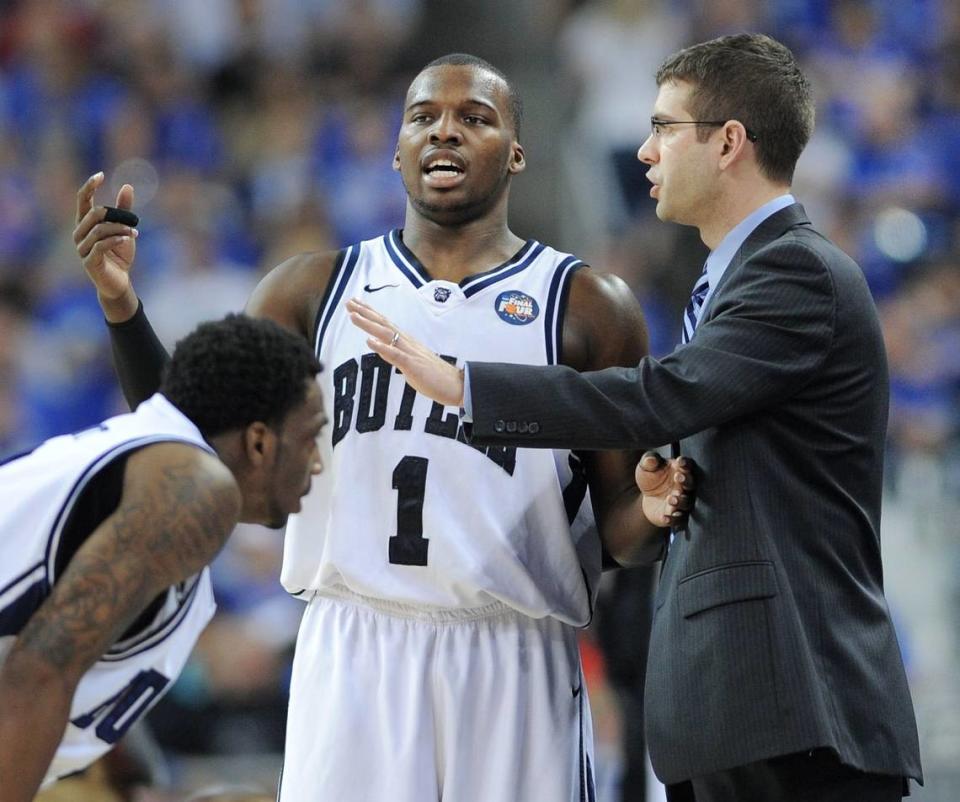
(105,536)
(437,658)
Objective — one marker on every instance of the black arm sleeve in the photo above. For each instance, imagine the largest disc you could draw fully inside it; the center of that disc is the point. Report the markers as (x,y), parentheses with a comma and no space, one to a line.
(138,357)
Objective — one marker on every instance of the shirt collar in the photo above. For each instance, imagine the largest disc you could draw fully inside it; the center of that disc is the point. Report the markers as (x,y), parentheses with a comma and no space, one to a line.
(723,254)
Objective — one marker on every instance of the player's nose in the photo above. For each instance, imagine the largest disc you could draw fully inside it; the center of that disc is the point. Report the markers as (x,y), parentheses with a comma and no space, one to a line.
(446,129)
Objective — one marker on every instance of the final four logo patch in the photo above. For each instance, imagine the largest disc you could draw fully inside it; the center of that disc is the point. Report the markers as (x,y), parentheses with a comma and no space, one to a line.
(516,308)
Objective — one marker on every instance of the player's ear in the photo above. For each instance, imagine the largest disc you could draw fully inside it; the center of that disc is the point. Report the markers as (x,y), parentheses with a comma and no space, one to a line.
(396,159)
(518,162)
(258,443)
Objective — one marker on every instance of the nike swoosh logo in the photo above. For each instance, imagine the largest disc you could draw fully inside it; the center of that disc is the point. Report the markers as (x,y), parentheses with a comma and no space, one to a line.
(576,691)
(368,288)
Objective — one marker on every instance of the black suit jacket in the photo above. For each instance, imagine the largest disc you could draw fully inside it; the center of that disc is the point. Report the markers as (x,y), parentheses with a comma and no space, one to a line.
(771,633)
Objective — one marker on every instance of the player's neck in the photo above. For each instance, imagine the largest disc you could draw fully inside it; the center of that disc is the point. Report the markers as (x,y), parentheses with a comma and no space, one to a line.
(452,252)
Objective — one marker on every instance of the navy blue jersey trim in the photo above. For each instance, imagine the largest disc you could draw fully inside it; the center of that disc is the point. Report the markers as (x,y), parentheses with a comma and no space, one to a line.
(350,262)
(15,615)
(53,538)
(318,317)
(556,301)
(408,264)
(576,489)
(573,495)
(588,790)
(586,581)
(20,577)
(501,274)
(403,258)
(582,767)
(154,635)
(467,283)
(562,306)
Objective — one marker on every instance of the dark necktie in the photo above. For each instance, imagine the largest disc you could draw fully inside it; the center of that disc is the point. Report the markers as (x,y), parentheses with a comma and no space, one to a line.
(692,312)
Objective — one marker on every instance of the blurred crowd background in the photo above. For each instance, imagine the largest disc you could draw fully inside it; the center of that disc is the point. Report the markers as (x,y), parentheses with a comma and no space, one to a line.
(256,129)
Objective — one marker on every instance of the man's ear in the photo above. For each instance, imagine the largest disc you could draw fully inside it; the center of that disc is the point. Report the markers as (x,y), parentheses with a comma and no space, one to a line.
(733,144)
(518,162)
(259,444)
(396,159)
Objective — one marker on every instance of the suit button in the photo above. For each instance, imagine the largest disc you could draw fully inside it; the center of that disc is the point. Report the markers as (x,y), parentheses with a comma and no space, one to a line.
(534,427)
(511,426)
(499,426)
(522,428)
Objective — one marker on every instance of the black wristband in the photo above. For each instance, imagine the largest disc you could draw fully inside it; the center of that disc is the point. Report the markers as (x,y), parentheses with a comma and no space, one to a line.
(138,356)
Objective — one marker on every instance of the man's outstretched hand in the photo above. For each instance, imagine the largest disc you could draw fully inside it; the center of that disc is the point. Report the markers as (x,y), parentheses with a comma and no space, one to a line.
(667,487)
(422,369)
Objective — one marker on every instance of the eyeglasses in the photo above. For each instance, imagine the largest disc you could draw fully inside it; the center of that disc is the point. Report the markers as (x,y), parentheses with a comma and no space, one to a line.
(658,126)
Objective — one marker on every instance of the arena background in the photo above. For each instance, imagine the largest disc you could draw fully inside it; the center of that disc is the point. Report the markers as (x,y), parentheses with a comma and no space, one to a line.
(255,129)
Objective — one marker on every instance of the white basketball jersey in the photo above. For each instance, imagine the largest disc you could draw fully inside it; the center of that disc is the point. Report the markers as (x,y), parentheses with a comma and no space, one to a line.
(406,510)
(37,494)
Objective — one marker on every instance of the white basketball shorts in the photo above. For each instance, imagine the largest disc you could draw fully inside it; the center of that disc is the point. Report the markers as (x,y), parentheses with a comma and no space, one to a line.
(394,704)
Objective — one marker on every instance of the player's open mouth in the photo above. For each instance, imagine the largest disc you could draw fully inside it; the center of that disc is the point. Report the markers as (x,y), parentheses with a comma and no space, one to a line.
(443,172)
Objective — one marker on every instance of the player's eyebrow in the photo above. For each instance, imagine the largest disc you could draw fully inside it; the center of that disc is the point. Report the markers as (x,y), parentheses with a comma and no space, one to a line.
(469,102)
(484,103)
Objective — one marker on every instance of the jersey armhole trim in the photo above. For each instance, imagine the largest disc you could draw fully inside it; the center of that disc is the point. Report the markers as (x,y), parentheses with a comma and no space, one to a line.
(556,308)
(53,538)
(160,630)
(342,270)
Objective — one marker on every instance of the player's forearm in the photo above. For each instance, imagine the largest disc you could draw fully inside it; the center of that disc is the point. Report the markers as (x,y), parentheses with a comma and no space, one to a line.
(629,537)
(138,356)
(34,708)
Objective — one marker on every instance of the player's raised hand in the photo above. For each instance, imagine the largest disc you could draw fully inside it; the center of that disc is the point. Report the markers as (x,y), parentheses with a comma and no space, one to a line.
(422,369)
(107,249)
(667,487)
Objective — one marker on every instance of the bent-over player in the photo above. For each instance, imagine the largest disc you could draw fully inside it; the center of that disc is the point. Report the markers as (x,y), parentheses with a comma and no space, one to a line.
(105,536)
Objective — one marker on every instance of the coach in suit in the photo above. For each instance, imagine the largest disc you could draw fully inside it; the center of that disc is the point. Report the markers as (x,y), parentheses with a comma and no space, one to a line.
(774,671)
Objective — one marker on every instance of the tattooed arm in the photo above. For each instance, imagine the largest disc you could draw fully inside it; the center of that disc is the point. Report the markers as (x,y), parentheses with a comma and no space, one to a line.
(179,505)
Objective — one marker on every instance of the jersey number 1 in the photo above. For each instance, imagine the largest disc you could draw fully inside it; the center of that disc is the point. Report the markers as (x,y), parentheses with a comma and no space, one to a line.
(409,546)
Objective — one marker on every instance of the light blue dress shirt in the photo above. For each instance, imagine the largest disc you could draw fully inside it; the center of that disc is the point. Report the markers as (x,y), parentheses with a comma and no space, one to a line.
(721,256)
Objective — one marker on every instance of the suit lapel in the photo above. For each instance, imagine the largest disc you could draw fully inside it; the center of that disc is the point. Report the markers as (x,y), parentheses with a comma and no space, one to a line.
(774,227)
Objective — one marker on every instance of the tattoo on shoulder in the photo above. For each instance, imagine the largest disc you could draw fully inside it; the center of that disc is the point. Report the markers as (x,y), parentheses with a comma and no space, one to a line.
(163,536)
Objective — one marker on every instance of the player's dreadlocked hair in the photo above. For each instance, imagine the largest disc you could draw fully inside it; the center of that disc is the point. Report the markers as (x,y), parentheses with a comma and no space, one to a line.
(230,373)
(467,60)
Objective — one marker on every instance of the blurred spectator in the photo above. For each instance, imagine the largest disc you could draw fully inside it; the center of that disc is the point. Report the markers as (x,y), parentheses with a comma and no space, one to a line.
(611,49)
(354,166)
(13,324)
(922,330)
(197,254)
(712,18)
